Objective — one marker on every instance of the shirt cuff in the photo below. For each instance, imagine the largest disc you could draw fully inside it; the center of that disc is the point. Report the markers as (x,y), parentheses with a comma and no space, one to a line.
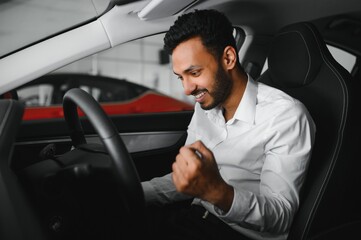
(149,193)
(222,213)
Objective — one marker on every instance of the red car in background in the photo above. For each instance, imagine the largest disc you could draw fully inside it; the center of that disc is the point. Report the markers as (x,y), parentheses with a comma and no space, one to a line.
(43,97)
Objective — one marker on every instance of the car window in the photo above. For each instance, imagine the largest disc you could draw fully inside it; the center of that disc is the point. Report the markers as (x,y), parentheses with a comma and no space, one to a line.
(38,95)
(135,77)
(346,59)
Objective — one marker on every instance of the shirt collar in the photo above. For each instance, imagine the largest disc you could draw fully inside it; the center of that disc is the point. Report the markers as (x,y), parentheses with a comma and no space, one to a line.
(246,109)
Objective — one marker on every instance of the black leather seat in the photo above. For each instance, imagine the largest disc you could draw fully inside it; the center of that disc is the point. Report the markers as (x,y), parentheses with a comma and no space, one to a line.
(17,219)
(300,63)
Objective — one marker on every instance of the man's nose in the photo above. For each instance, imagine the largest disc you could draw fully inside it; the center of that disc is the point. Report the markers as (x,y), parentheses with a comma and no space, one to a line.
(188,86)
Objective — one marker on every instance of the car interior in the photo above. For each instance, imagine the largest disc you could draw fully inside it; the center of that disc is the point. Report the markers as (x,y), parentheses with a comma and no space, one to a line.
(78,177)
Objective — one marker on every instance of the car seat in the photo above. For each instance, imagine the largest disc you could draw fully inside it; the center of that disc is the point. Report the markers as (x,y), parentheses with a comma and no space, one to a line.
(17,219)
(300,64)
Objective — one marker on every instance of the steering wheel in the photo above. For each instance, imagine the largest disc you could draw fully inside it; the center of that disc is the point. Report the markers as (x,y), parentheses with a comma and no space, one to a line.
(123,168)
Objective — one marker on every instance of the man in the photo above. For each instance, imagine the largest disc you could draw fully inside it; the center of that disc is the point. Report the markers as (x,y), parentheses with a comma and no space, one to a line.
(248,144)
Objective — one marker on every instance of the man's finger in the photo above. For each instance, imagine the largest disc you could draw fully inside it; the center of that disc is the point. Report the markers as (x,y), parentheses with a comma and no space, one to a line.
(188,153)
(201,149)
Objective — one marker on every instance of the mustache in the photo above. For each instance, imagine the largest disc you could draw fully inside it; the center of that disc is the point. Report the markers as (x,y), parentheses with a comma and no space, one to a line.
(197,91)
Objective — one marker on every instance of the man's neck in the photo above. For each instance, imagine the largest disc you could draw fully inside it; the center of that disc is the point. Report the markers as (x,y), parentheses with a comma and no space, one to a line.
(235,97)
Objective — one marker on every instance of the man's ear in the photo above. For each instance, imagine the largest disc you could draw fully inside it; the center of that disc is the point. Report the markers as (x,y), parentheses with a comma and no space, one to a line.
(229,57)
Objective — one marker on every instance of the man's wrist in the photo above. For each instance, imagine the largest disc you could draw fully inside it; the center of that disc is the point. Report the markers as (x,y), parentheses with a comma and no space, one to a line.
(224,199)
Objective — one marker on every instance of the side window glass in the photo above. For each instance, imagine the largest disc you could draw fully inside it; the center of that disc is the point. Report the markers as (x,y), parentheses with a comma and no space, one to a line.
(135,77)
(37,95)
(239,36)
(346,59)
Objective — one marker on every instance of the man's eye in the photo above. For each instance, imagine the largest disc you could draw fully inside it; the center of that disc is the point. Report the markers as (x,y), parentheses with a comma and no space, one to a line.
(195,74)
(180,78)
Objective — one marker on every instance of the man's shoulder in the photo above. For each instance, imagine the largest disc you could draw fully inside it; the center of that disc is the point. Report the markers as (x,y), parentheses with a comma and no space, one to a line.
(277,102)
(272,95)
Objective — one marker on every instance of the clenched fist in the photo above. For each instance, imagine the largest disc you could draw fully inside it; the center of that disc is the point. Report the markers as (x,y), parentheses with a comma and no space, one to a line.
(195,173)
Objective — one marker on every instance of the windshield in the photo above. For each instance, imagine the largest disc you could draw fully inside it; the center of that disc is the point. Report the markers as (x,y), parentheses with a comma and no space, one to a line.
(26,21)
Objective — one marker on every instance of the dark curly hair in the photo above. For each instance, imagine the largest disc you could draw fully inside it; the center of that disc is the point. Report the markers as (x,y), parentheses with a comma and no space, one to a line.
(212,26)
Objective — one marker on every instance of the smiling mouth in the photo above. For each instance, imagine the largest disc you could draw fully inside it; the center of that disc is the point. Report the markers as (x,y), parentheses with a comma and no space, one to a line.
(199,95)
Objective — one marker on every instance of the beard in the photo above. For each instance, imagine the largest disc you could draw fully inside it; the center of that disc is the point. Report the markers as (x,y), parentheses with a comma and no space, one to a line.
(222,89)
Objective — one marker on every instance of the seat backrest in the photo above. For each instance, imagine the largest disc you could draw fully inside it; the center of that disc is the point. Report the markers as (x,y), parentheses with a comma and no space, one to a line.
(17,220)
(300,64)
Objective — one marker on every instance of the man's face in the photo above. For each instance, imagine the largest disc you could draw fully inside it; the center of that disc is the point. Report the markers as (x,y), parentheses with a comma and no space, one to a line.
(202,75)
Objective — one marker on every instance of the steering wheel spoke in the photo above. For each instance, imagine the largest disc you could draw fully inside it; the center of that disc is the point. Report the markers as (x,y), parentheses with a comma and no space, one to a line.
(122,165)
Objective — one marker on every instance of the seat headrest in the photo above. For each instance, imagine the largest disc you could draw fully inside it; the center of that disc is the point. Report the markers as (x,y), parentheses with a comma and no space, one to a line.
(296,55)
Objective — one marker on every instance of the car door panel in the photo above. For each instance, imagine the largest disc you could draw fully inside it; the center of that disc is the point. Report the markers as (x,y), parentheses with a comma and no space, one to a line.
(153,140)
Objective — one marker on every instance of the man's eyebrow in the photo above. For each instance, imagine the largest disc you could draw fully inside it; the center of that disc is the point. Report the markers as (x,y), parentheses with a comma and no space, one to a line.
(189,69)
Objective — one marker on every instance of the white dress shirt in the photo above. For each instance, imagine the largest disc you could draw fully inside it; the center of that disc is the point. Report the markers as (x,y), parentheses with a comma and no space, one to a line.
(263,152)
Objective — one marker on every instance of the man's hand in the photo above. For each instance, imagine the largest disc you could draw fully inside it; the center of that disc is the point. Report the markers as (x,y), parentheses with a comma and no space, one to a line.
(195,173)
